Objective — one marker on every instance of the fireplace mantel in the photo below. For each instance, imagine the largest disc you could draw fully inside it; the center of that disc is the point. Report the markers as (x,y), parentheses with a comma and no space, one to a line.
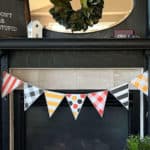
(69,53)
(75,44)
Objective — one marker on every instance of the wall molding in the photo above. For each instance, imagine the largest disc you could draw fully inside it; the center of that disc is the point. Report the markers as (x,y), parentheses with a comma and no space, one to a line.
(74,44)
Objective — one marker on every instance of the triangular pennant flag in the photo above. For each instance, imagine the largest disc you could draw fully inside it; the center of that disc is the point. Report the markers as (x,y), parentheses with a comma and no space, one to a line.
(141,82)
(76,102)
(9,83)
(121,93)
(98,100)
(53,100)
(31,94)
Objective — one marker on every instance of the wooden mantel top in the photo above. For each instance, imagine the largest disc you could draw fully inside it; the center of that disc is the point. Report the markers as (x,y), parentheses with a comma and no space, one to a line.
(76,44)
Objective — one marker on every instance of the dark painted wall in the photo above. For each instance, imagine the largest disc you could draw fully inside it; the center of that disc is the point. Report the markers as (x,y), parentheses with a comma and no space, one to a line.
(76,58)
(149,16)
(4,110)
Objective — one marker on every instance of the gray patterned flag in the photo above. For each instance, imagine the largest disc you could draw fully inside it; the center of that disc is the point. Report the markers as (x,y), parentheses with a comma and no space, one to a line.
(121,93)
(31,94)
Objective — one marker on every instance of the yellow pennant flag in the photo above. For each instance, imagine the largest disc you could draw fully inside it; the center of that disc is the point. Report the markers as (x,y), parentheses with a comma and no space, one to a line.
(141,82)
(53,100)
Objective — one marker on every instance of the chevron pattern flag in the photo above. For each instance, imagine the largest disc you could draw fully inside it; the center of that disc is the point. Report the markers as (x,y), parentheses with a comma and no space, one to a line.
(141,82)
(53,100)
(121,93)
(31,94)
(76,102)
(9,84)
(98,100)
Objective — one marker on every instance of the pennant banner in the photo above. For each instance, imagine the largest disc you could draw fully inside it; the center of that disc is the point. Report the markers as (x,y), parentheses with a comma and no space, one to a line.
(31,94)
(9,84)
(121,93)
(53,100)
(98,100)
(76,102)
(141,82)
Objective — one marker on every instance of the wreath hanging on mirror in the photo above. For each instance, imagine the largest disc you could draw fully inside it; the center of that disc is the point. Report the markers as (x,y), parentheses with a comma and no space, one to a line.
(88,15)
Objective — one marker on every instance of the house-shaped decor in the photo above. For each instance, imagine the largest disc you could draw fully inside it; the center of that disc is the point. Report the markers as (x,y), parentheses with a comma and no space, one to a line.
(35,29)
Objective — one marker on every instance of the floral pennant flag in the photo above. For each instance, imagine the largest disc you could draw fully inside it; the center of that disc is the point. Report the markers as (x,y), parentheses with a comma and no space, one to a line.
(31,94)
(121,93)
(141,82)
(9,84)
(53,100)
(98,100)
(76,102)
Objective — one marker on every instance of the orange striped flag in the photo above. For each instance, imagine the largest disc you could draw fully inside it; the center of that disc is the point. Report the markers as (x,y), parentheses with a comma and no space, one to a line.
(53,100)
(9,83)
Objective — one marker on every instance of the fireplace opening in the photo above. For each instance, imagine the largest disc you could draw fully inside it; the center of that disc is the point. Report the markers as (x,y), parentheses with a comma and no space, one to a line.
(35,130)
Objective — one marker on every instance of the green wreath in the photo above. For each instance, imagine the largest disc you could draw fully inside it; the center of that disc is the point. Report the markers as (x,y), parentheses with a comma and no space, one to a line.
(88,15)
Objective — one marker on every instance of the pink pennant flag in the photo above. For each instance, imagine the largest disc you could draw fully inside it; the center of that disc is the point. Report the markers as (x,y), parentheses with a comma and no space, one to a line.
(98,100)
(9,83)
(75,102)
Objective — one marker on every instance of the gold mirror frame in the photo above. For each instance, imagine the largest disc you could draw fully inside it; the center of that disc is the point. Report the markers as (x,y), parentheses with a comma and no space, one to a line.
(114,12)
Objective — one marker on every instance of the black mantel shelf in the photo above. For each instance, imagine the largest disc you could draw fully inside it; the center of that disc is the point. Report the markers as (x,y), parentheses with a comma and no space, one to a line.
(78,44)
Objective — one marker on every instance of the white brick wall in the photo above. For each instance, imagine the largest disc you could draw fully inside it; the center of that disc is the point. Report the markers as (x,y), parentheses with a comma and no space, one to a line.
(76,78)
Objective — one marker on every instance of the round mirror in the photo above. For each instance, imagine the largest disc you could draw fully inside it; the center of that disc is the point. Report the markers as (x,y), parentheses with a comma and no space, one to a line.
(114,12)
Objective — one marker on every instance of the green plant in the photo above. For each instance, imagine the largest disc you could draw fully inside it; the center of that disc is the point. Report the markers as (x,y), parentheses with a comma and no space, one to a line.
(145,144)
(88,15)
(133,142)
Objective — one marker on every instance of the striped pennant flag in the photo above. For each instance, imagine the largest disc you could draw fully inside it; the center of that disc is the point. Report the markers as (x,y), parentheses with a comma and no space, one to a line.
(31,94)
(76,102)
(9,84)
(141,82)
(53,100)
(98,100)
(121,93)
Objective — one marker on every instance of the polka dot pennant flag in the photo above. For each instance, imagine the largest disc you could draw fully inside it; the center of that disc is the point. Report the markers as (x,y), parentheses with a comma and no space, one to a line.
(9,83)
(141,82)
(76,102)
(53,100)
(98,100)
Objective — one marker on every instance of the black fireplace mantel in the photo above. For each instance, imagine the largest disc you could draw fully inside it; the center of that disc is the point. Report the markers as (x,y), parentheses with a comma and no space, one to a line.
(89,52)
(76,44)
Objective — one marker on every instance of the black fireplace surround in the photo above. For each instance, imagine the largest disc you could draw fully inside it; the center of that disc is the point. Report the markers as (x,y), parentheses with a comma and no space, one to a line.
(78,53)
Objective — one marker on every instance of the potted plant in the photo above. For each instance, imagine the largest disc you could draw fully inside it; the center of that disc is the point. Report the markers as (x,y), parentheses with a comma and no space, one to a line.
(133,142)
(145,144)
